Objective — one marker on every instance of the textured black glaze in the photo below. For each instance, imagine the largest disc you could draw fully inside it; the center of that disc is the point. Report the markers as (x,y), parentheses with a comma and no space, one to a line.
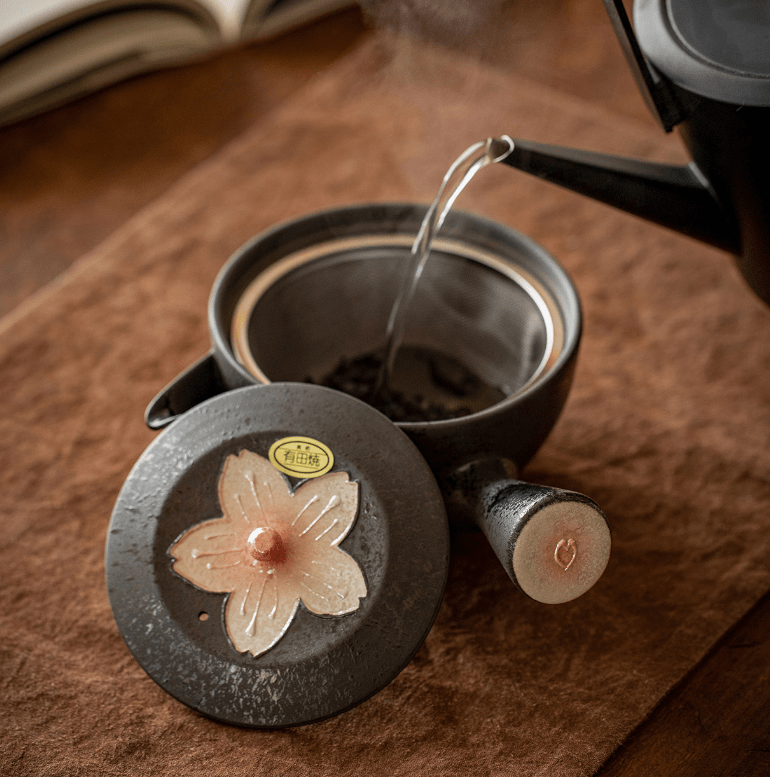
(197,383)
(323,665)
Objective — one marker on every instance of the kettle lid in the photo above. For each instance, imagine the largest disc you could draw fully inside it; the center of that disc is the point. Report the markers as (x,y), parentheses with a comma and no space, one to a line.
(718,49)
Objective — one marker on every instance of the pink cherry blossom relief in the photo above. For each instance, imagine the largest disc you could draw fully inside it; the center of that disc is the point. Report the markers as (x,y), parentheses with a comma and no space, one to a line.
(272,548)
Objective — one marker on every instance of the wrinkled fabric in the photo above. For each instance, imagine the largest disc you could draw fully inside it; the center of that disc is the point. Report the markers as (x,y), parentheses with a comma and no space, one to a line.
(667,427)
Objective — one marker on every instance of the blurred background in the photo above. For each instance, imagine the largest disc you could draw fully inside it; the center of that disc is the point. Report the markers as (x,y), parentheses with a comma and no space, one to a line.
(71,176)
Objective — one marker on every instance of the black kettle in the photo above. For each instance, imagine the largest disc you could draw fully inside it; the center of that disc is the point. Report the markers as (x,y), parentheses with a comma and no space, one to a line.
(704,66)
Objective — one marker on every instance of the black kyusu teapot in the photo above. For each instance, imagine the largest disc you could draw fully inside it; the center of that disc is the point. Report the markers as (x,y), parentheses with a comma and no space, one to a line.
(279,551)
(703,66)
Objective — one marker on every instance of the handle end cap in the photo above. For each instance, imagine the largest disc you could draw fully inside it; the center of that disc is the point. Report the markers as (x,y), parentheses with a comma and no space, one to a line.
(561,551)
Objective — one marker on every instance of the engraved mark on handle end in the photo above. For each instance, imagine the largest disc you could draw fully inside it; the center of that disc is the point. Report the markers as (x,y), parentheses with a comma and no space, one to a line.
(565,553)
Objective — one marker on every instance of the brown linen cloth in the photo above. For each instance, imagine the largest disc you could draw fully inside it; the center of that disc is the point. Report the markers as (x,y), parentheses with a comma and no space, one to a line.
(667,427)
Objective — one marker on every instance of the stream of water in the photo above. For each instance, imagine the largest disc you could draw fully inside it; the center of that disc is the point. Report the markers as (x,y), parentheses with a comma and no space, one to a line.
(410,383)
(456,179)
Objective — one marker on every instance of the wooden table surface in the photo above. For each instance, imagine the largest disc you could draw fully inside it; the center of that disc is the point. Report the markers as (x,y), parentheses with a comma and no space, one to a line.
(72,176)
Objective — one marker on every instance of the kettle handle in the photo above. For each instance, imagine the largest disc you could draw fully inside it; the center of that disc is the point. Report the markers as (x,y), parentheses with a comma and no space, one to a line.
(197,383)
(654,88)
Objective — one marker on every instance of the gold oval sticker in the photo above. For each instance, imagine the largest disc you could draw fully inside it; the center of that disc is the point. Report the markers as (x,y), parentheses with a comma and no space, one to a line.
(301,457)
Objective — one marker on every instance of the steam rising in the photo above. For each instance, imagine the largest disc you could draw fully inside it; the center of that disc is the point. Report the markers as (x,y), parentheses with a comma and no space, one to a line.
(465,25)
(437,57)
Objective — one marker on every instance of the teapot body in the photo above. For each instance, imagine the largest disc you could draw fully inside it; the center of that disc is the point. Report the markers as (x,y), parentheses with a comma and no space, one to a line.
(493,297)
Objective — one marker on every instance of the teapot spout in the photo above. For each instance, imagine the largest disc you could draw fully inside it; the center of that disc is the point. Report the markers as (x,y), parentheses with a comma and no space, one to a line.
(677,197)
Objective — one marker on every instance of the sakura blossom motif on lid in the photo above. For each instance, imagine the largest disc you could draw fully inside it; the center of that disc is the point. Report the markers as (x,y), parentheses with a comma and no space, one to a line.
(272,548)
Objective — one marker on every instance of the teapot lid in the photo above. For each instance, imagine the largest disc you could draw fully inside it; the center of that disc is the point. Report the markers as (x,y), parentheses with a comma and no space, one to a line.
(277,555)
(715,48)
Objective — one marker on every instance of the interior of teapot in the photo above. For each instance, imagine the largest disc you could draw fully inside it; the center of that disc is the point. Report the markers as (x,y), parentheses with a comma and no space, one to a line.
(480,329)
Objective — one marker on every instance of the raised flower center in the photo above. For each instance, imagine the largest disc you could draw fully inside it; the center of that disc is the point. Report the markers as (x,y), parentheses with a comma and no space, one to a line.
(265,544)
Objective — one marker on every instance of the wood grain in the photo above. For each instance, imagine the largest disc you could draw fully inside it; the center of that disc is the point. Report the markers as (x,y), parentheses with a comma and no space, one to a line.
(70,177)
(716,721)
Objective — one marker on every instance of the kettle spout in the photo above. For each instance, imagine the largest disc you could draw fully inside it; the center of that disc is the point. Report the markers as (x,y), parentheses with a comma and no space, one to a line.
(677,197)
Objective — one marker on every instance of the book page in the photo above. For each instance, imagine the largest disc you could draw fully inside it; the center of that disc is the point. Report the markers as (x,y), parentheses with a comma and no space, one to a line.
(22,21)
(18,17)
(265,19)
(94,53)
(229,14)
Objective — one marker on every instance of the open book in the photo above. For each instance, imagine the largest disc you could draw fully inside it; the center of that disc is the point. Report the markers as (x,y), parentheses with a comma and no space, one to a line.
(52,51)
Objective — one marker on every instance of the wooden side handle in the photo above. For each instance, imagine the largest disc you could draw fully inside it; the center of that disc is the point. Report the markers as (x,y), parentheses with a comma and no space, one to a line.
(553,544)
